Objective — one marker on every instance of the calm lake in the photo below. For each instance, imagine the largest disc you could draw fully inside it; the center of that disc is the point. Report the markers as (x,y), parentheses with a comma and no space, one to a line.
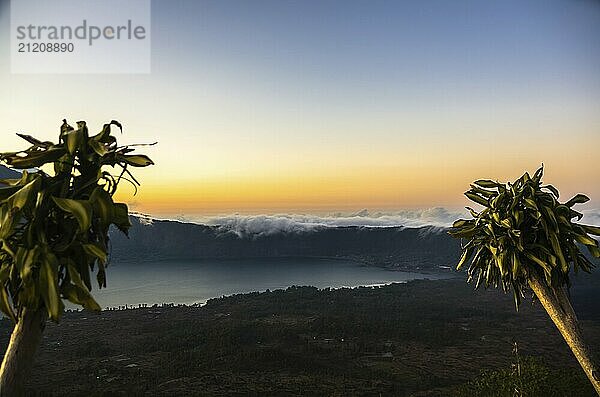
(195,281)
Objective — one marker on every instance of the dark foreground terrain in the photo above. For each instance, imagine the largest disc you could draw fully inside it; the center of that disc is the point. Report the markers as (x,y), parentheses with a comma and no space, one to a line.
(424,338)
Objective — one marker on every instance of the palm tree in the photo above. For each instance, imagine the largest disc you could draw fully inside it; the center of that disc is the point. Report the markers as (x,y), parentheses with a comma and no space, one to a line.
(525,239)
(54,232)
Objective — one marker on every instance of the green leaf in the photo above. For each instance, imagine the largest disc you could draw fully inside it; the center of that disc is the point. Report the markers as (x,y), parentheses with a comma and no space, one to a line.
(74,140)
(65,128)
(558,251)
(530,203)
(474,213)
(465,256)
(516,295)
(550,216)
(8,219)
(466,232)
(104,135)
(36,159)
(578,199)
(6,305)
(74,275)
(496,217)
(460,223)
(575,214)
(537,177)
(494,203)
(595,230)
(80,296)
(518,216)
(476,198)
(502,263)
(121,217)
(101,276)
(31,139)
(137,160)
(25,195)
(98,147)
(485,193)
(540,262)
(516,266)
(77,292)
(96,251)
(486,183)
(115,122)
(80,209)
(5,272)
(25,260)
(552,189)
(48,283)
(585,240)
(103,205)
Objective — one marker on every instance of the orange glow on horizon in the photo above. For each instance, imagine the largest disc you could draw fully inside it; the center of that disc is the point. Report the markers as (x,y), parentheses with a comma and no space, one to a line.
(375,188)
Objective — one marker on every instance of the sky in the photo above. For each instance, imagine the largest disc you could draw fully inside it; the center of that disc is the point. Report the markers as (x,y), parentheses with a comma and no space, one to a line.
(314,107)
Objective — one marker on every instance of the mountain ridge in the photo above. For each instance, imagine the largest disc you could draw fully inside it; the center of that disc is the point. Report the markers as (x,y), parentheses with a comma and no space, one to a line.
(6,173)
(395,247)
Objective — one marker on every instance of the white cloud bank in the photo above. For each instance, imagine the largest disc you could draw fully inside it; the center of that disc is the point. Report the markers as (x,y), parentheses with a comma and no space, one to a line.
(437,217)
(591,217)
(296,223)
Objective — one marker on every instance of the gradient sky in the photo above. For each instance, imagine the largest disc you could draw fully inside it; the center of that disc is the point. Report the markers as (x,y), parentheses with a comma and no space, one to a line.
(316,106)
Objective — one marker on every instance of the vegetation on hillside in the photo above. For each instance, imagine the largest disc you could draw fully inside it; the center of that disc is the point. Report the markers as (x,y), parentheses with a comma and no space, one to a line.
(423,338)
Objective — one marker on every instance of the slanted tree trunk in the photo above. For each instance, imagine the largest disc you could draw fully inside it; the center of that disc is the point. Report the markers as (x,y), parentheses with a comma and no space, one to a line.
(558,306)
(18,359)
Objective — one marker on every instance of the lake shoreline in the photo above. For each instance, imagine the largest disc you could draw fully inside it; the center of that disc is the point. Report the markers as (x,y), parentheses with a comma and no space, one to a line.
(195,281)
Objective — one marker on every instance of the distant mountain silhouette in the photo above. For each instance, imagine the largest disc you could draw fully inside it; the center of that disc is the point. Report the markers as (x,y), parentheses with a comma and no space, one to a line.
(395,247)
(6,173)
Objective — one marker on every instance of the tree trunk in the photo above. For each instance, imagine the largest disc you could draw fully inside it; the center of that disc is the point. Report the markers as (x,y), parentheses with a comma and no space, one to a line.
(558,306)
(18,359)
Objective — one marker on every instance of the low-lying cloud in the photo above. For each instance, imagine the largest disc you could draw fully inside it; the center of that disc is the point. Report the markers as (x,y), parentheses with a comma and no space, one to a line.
(436,218)
(591,217)
(295,223)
